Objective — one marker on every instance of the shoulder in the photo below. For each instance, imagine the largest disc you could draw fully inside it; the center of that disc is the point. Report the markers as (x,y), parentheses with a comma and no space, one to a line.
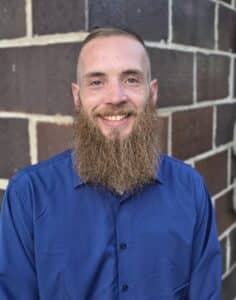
(179,172)
(45,173)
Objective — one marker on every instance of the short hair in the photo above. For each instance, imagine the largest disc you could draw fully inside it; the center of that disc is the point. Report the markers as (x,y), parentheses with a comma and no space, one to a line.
(113,31)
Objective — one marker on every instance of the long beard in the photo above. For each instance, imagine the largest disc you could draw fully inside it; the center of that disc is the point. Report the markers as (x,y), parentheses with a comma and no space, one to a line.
(120,165)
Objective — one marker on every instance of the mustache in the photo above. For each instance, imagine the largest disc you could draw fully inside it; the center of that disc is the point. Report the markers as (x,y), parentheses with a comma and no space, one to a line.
(115,109)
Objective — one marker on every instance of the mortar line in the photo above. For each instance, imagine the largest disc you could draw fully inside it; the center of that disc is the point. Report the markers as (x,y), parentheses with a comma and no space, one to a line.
(86,8)
(3,183)
(29,18)
(195,78)
(57,119)
(75,37)
(229,272)
(170,22)
(224,192)
(211,152)
(214,126)
(169,143)
(229,167)
(231,77)
(228,253)
(197,105)
(216,26)
(227,231)
(33,144)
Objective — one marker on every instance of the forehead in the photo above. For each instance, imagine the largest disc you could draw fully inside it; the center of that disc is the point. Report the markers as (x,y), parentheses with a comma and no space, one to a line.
(113,52)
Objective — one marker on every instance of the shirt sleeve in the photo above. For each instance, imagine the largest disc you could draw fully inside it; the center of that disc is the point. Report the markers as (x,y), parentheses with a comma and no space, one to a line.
(205,282)
(18,280)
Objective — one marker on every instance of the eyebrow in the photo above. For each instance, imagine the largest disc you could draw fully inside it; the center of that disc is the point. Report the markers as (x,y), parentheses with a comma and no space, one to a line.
(100,74)
(93,74)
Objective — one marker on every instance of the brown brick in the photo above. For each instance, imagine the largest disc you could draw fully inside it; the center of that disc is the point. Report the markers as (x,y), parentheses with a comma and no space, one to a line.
(226,117)
(174,70)
(212,77)
(12,19)
(223,244)
(227,25)
(214,169)
(14,146)
(163,132)
(232,237)
(193,23)
(57,16)
(225,214)
(191,132)
(38,79)
(137,15)
(228,286)
(233,167)
(53,138)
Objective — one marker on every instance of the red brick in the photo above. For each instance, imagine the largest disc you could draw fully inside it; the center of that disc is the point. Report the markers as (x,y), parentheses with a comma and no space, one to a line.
(214,170)
(14,143)
(57,16)
(12,19)
(174,70)
(212,77)
(191,132)
(53,138)
(163,132)
(193,23)
(137,15)
(225,214)
(226,118)
(38,79)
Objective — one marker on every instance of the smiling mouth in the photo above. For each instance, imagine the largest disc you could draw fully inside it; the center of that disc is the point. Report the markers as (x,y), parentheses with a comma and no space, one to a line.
(115,117)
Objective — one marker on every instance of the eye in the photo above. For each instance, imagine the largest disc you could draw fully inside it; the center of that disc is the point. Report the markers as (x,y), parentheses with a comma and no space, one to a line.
(132,80)
(95,83)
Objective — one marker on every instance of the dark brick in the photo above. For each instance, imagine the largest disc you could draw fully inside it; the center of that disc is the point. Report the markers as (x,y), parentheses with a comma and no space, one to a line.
(192,132)
(53,138)
(225,214)
(174,69)
(163,132)
(12,19)
(38,79)
(228,286)
(232,238)
(57,16)
(214,170)
(212,77)
(193,22)
(233,167)
(227,31)
(223,244)
(14,146)
(148,18)
(226,117)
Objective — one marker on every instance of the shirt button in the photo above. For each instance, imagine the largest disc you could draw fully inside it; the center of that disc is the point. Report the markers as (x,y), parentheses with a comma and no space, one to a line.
(123,246)
(124,287)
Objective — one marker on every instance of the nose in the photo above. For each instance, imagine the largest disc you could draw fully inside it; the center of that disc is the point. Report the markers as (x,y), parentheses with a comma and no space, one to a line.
(116,93)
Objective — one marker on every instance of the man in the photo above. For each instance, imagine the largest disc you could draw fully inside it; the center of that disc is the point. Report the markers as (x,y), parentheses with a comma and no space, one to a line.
(114,218)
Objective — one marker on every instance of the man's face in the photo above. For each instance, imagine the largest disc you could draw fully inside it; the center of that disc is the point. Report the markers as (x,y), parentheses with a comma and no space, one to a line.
(114,84)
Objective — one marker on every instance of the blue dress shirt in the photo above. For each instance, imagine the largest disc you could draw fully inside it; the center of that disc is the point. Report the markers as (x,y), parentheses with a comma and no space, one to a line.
(62,239)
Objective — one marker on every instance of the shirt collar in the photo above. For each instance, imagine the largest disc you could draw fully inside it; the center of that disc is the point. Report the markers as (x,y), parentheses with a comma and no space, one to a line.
(77,180)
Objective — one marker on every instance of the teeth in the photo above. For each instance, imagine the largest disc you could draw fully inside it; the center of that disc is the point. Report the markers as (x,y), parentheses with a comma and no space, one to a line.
(115,118)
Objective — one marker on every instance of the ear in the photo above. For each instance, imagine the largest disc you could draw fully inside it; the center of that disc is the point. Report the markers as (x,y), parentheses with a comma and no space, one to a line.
(75,93)
(154,91)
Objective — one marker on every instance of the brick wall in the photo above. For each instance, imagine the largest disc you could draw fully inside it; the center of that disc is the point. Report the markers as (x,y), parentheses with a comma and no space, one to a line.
(192,45)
